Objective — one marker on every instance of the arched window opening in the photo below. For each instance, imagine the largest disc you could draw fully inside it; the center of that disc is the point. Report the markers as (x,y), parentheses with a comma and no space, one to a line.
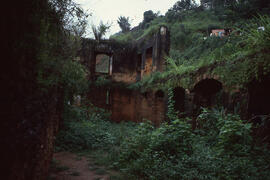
(205,92)
(139,63)
(179,99)
(149,52)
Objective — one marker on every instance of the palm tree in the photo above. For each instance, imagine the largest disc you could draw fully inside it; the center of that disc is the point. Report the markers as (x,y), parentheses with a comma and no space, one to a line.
(101,30)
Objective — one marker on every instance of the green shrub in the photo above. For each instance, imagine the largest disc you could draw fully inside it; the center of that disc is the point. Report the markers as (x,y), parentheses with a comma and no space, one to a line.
(151,152)
(220,149)
(83,135)
(89,128)
(227,131)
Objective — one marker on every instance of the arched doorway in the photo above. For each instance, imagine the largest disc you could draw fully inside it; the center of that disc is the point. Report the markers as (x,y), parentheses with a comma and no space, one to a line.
(179,99)
(259,106)
(205,92)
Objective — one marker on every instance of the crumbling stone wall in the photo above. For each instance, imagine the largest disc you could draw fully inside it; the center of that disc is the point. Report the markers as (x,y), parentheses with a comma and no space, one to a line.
(130,105)
(28,133)
(29,116)
(148,65)
(123,105)
(130,62)
(138,107)
(100,97)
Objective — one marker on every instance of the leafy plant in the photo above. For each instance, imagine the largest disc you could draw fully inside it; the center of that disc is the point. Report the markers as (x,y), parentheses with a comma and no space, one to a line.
(100,31)
(87,128)
(124,23)
(219,149)
(171,113)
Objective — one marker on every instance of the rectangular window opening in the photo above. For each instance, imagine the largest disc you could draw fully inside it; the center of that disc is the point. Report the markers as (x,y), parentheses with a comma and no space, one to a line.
(103,63)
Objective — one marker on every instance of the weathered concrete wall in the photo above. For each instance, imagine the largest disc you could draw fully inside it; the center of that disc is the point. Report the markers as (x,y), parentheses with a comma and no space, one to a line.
(129,105)
(137,107)
(148,66)
(123,105)
(100,97)
(129,77)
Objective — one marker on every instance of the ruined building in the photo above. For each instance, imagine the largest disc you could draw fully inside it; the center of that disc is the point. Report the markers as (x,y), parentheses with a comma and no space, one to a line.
(30,117)
(125,64)
(115,66)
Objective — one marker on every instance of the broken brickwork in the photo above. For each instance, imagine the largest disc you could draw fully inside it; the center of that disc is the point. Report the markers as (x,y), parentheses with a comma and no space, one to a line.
(127,64)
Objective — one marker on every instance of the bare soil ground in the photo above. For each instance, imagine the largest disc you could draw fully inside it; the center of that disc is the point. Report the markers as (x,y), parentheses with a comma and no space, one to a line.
(69,166)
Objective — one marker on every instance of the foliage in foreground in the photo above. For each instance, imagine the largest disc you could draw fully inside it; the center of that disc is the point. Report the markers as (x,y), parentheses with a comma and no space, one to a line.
(88,128)
(220,148)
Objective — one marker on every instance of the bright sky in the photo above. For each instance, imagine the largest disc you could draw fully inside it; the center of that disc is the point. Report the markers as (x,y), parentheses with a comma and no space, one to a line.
(110,10)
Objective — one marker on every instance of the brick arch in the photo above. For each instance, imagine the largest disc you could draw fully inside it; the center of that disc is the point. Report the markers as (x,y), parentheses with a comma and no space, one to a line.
(206,76)
(205,92)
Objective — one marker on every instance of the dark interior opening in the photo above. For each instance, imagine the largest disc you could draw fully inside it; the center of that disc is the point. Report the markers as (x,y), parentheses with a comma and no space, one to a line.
(139,67)
(159,94)
(139,62)
(102,63)
(205,92)
(259,106)
(259,96)
(149,52)
(145,94)
(179,99)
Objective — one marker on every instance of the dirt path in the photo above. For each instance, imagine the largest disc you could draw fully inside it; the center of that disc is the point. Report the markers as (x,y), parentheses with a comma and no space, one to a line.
(69,166)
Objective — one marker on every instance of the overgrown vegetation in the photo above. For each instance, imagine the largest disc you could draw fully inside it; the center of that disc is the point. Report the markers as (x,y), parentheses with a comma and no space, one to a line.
(221,148)
(39,75)
(235,58)
(89,128)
